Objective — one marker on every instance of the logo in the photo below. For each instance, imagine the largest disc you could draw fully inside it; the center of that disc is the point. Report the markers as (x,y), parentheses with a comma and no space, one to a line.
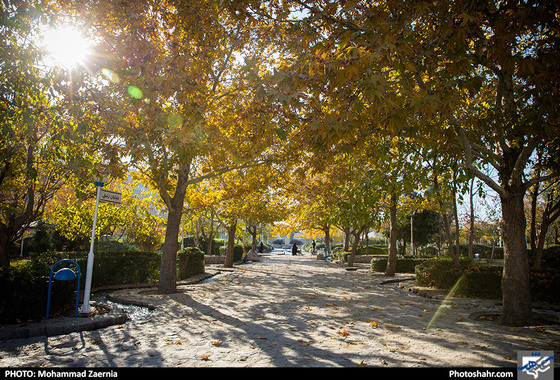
(533,365)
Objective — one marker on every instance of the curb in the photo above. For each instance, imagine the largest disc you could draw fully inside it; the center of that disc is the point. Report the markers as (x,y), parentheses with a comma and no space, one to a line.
(61,326)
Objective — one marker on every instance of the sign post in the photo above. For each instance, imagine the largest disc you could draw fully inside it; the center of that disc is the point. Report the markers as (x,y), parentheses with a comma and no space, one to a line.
(103,196)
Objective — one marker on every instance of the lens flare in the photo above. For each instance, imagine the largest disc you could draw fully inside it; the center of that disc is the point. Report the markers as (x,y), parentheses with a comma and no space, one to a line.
(447,300)
(135,92)
(110,75)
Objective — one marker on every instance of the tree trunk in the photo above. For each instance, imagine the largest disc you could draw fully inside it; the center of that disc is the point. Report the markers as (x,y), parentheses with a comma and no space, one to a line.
(346,232)
(456,257)
(326,231)
(230,244)
(516,291)
(471,221)
(533,233)
(550,214)
(446,225)
(168,269)
(253,232)
(4,248)
(392,257)
(450,243)
(354,248)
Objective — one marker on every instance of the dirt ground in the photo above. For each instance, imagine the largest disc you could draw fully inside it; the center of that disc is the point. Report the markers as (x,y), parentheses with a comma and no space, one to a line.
(293,311)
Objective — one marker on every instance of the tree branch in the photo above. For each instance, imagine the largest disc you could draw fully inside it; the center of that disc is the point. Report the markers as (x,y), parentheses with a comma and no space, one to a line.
(468,153)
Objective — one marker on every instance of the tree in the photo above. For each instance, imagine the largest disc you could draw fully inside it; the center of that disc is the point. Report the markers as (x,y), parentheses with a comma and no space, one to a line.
(358,205)
(171,69)
(138,216)
(36,131)
(550,213)
(482,74)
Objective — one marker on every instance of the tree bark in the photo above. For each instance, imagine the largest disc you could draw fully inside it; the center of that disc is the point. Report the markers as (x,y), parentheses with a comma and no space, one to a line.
(168,269)
(392,257)
(457,255)
(516,291)
(550,214)
(354,248)
(230,244)
(326,230)
(4,248)
(471,221)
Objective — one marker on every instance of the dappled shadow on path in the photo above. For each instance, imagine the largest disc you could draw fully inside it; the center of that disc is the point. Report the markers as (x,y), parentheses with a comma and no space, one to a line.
(295,309)
(288,311)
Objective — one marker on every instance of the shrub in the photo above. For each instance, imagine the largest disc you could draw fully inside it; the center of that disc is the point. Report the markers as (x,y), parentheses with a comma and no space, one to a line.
(372,250)
(116,268)
(440,273)
(237,252)
(24,290)
(483,281)
(190,261)
(404,264)
(545,285)
(216,244)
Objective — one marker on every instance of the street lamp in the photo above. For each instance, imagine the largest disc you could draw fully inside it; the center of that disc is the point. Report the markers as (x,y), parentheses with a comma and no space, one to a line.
(412,233)
(86,309)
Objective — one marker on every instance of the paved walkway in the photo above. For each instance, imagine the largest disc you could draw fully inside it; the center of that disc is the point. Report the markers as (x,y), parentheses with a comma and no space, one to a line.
(288,311)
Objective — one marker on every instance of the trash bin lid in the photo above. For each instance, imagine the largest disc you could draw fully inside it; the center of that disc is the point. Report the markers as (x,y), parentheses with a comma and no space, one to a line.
(65,274)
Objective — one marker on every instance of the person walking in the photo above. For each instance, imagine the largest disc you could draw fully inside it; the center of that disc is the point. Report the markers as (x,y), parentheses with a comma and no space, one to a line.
(294,250)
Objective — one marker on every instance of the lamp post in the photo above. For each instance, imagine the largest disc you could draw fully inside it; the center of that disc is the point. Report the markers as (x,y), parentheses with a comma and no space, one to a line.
(412,233)
(86,309)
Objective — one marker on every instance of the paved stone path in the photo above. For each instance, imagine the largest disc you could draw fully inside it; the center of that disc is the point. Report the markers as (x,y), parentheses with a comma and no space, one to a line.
(288,311)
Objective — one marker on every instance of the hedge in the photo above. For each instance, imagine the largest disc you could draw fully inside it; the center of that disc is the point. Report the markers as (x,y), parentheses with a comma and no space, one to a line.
(404,264)
(190,261)
(238,252)
(23,294)
(216,244)
(470,280)
(24,288)
(116,268)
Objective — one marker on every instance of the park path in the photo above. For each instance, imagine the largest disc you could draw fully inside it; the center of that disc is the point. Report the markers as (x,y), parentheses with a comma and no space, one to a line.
(291,311)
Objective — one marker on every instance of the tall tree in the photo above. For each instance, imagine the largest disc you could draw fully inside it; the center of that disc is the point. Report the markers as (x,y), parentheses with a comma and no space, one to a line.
(171,68)
(484,74)
(36,129)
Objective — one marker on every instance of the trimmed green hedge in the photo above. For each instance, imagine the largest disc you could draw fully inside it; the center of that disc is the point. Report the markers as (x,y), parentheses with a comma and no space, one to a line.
(471,280)
(238,252)
(190,262)
(24,288)
(440,272)
(404,264)
(216,244)
(23,294)
(116,268)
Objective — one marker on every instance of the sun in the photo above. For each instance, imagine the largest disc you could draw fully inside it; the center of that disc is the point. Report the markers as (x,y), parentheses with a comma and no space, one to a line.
(66,47)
